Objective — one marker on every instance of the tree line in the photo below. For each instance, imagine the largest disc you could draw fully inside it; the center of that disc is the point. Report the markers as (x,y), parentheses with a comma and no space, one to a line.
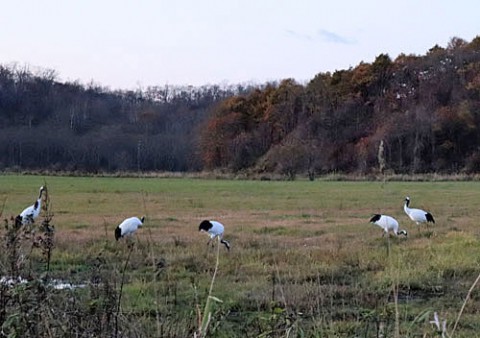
(49,125)
(413,114)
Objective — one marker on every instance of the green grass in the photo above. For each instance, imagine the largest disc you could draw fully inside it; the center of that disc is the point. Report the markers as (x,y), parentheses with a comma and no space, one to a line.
(304,259)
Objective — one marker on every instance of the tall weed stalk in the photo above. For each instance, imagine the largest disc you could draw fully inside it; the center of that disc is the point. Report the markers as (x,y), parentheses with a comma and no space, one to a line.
(120,292)
(464,304)
(206,317)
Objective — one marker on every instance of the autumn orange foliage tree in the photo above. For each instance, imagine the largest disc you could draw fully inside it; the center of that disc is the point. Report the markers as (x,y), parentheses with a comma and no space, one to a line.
(424,109)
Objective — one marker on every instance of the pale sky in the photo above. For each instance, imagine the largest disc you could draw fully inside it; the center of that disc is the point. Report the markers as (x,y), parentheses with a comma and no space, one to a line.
(124,44)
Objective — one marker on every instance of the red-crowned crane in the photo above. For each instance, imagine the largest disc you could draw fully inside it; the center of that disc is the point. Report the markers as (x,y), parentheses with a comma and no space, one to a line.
(128,227)
(387,223)
(29,214)
(417,215)
(214,229)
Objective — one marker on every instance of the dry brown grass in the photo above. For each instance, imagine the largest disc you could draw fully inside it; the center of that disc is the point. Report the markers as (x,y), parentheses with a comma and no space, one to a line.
(304,256)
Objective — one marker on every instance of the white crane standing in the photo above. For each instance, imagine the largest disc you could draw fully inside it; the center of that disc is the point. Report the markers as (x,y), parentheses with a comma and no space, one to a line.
(417,215)
(29,214)
(387,223)
(128,227)
(214,229)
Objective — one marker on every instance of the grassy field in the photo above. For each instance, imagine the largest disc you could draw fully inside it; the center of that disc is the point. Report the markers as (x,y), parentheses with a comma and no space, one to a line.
(304,261)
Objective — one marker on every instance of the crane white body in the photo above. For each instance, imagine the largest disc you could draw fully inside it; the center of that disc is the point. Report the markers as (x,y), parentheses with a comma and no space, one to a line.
(214,229)
(128,227)
(417,215)
(29,214)
(387,223)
